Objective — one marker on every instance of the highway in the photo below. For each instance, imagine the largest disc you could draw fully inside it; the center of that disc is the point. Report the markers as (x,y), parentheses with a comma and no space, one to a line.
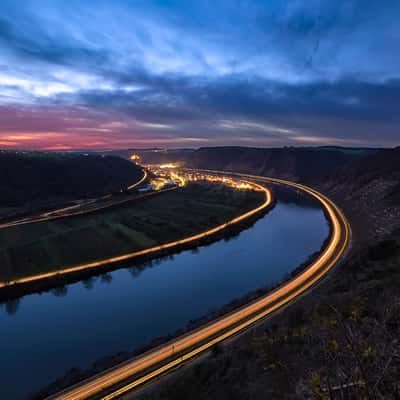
(268,200)
(74,210)
(129,375)
(139,182)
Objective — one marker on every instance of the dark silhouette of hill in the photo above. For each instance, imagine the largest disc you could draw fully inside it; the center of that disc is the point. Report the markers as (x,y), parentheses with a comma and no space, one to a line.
(298,164)
(350,320)
(365,181)
(306,164)
(30,177)
(383,165)
(343,332)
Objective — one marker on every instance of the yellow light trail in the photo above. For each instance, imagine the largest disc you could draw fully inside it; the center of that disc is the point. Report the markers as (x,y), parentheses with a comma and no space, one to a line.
(162,166)
(52,215)
(158,361)
(152,250)
(144,177)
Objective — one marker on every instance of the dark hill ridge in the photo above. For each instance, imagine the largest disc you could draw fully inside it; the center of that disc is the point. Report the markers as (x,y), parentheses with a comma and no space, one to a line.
(365,181)
(32,177)
(306,164)
(344,333)
(299,164)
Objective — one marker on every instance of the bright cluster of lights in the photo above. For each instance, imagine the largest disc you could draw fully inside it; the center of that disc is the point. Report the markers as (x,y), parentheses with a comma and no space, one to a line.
(178,178)
(234,183)
(135,158)
(168,166)
(158,183)
(171,173)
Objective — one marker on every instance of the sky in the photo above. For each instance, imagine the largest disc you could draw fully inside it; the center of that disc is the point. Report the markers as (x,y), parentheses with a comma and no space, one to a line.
(103,74)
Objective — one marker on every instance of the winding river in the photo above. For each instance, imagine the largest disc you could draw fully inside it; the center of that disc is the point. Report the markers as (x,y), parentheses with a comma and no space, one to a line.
(45,335)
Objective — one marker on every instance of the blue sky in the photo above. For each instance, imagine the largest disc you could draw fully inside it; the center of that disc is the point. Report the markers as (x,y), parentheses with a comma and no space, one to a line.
(114,74)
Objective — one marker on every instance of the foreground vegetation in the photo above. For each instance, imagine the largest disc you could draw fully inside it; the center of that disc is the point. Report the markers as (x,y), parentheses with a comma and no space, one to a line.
(27,250)
(341,341)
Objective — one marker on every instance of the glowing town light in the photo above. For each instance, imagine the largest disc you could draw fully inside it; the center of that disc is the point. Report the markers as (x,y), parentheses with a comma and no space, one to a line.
(163,166)
(135,158)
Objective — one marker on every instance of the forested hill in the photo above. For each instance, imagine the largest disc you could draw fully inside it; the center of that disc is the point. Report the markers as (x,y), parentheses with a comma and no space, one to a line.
(305,164)
(300,164)
(344,333)
(27,177)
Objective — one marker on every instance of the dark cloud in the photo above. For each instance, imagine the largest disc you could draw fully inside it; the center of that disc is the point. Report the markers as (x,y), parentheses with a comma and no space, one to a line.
(293,72)
(36,45)
(175,101)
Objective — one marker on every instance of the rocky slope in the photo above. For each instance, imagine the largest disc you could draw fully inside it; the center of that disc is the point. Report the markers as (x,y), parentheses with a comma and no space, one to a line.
(369,190)
(340,341)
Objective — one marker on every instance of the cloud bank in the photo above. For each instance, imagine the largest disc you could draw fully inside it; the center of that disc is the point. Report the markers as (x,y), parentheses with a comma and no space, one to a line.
(114,74)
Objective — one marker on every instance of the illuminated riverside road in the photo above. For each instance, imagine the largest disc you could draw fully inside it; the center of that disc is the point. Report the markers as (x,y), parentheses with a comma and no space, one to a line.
(267,202)
(74,210)
(156,362)
(81,323)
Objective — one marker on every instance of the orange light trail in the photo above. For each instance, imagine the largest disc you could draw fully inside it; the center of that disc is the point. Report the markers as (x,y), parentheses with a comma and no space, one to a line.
(185,347)
(152,250)
(168,166)
(144,177)
(55,214)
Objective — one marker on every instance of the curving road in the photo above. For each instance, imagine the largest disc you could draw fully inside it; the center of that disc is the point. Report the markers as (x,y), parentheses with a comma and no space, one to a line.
(123,378)
(152,250)
(70,211)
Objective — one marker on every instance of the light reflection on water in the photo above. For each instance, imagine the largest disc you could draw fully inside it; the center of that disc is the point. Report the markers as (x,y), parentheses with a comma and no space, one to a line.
(44,335)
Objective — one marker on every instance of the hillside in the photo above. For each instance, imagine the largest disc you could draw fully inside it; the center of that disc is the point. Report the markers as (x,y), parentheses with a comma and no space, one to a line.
(298,164)
(343,334)
(35,178)
(305,164)
(369,190)
(364,181)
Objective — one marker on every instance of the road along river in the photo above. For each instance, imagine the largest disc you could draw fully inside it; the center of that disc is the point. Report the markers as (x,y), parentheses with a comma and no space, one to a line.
(26,282)
(128,308)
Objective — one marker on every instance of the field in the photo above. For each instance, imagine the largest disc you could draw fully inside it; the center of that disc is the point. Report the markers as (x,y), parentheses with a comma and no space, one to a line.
(27,250)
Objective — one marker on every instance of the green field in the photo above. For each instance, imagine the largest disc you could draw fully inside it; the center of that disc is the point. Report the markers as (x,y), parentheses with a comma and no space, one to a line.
(31,249)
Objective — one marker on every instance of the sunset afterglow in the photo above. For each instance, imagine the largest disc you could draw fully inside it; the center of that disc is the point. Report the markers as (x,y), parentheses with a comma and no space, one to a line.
(74,75)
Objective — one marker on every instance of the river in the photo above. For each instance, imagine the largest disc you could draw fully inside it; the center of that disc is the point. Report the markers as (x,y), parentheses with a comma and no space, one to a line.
(44,335)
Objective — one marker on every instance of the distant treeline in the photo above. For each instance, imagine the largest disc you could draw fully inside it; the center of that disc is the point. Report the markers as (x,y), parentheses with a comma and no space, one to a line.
(27,177)
(305,164)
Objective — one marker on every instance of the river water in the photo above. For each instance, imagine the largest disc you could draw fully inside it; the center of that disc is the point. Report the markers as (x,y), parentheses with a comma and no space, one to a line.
(45,335)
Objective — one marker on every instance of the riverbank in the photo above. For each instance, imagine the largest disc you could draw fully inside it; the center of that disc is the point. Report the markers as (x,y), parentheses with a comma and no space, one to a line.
(155,223)
(342,334)
(74,374)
